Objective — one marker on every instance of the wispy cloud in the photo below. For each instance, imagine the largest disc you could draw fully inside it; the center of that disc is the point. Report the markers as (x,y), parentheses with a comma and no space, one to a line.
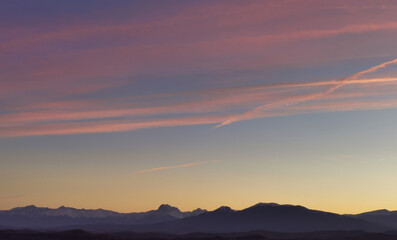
(260,110)
(172,167)
(218,107)
(87,77)
(224,99)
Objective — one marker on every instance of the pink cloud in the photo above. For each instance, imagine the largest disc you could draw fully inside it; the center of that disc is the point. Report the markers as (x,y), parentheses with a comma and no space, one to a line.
(258,111)
(70,66)
(43,68)
(104,126)
(216,101)
(221,110)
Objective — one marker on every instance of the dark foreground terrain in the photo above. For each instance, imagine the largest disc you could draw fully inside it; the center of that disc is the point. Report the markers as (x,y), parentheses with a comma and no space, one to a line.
(260,235)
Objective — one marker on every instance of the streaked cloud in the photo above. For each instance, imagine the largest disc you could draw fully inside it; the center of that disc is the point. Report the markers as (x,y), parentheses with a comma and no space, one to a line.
(221,106)
(259,111)
(130,74)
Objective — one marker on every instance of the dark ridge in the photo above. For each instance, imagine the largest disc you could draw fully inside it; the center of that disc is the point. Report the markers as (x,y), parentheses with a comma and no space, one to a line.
(78,234)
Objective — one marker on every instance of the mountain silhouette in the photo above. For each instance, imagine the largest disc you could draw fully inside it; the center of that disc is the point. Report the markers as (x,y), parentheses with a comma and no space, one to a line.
(269,217)
(33,211)
(382,216)
(169,219)
(41,217)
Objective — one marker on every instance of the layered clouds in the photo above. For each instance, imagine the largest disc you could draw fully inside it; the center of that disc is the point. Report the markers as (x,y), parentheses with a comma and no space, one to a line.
(201,63)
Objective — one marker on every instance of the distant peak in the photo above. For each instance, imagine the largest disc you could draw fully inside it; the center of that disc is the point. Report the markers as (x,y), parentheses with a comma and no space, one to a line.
(199,209)
(224,209)
(382,210)
(261,204)
(31,206)
(64,207)
(27,207)
(166,207)
(274,205)
(378,212)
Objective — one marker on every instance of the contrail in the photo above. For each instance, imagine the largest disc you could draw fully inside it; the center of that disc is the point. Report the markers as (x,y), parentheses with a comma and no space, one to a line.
(295,100)
(373,69)
(171,167)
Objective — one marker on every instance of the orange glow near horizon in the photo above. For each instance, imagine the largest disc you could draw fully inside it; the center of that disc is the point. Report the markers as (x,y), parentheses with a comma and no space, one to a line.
(198,104)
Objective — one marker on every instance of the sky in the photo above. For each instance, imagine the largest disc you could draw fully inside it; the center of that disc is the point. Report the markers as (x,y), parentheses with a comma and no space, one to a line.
(125,105)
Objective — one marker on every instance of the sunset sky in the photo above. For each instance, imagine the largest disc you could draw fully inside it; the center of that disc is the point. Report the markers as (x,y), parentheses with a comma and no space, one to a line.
(125,105)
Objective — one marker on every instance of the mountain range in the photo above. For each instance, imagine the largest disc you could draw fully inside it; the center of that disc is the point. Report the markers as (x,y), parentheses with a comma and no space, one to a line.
(41,217)
(169,219)
(383,216)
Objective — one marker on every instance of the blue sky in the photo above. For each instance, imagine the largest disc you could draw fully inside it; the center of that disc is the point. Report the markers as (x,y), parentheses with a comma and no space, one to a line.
(127,105)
